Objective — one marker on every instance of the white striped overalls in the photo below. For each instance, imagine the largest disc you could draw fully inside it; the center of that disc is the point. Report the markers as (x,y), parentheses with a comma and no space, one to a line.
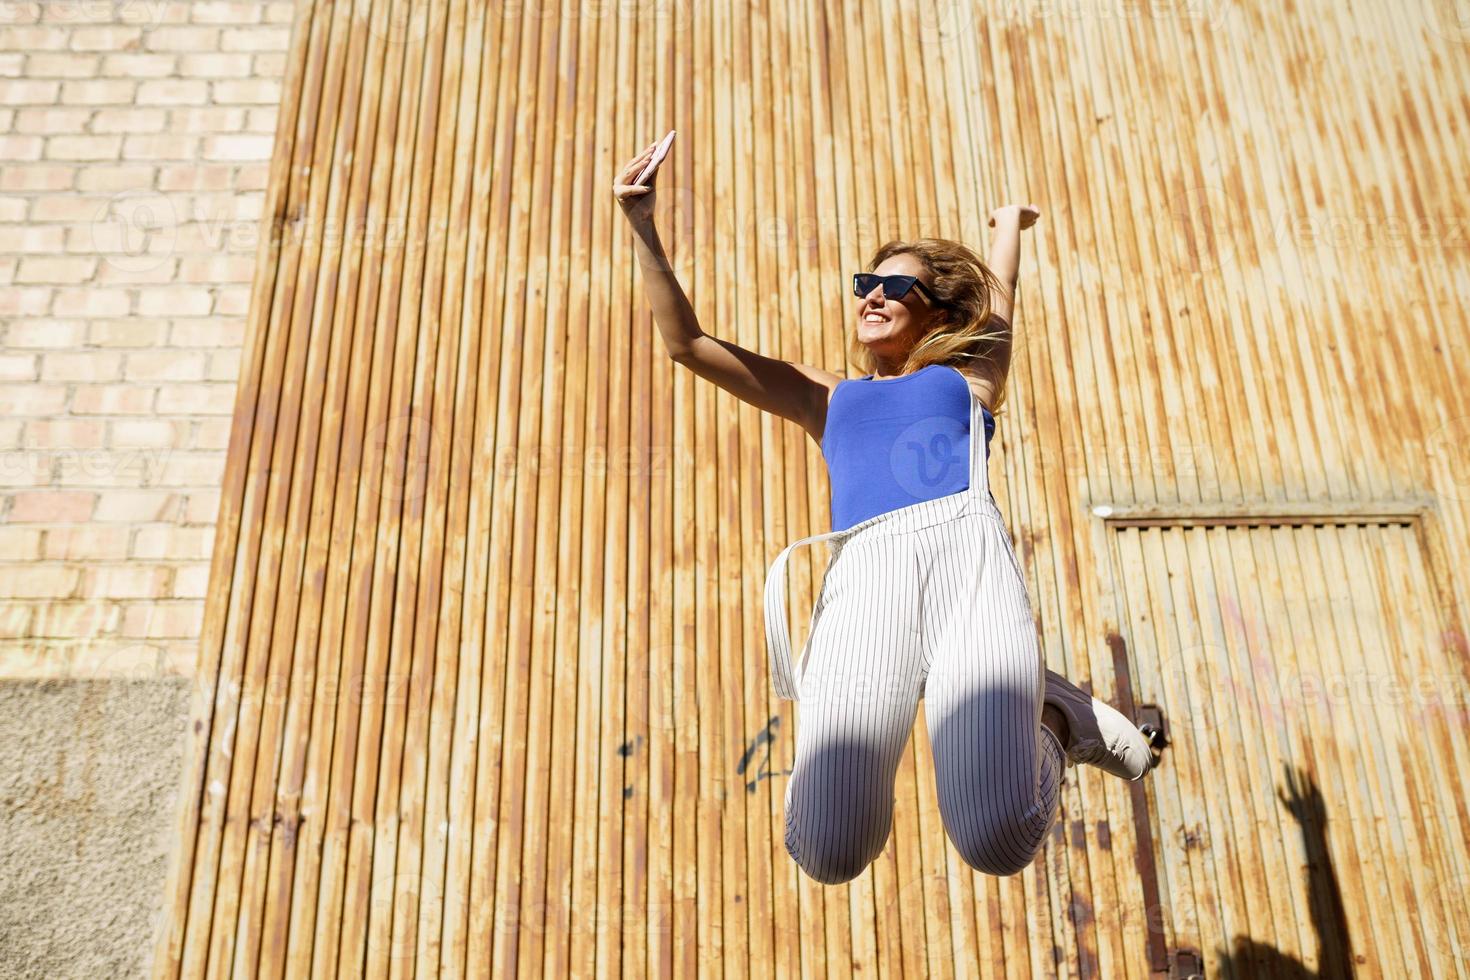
(926,601)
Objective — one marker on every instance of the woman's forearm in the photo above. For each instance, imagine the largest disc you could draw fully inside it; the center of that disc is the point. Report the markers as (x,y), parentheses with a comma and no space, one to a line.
(1005,248)
(1005,261)
(672,311)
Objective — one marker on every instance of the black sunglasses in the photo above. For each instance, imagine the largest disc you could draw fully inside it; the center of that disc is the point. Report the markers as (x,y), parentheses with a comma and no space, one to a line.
(894,287)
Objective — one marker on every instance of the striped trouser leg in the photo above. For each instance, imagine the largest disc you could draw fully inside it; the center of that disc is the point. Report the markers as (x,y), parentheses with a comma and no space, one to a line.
(859,695)
(997,769)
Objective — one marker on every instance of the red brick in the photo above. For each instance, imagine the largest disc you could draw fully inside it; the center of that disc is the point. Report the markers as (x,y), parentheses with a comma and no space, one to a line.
(66,433)
(122,268)
(32,38)
(88,366)
(31,238)
(122,399)
(197,399)
(37,177)
(55,269)
(173,91)
(253,177)
(217,269)
(152,433)
(129,121)
(51,507)
(160,147)
(266,91)
(91,302)
(133,507)
(100,91)
(213,434)
(224,365)
(261,120)
(133,332)
(191,581)
(191,177)
(32,400)
(210,332)
(179,301)
(107,542)
(26,300)
(108,38)
(172,542)
(26,91)
(116,178)
(18,149)
(83,147)
(74,620)
(183,39)
(15,617)
(60,65)
(196,469)
(134,580)
(232,302)
(136,65)
(202,507)
(217,12)
(215,65)
(256,39)
(19,367)
(163,619)
(106,469)
(37,580)
(249,148)
(71,207)
(270,64)
(206,119)
(23,543)
(44,334)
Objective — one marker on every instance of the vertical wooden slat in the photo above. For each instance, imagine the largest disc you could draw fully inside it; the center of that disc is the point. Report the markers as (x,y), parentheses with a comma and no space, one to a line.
(215,664)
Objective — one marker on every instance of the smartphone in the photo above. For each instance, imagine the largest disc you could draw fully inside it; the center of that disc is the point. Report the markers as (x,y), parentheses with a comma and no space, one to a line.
(659,152)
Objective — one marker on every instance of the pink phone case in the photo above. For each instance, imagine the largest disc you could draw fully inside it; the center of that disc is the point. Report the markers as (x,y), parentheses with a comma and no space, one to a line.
(659,152)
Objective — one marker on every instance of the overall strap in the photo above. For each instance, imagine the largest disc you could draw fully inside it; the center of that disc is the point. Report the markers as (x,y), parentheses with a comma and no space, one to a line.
(979,468)
(784,672)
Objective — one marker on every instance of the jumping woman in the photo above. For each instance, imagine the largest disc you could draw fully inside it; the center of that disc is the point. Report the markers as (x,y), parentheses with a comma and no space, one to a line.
(923,596)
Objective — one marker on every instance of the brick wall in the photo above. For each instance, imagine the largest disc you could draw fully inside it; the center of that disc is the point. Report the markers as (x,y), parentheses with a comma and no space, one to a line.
(135,137)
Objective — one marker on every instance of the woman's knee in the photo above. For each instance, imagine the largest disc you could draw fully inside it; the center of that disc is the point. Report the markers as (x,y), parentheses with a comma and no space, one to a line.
(835,853)
(993,858)
(1001,847)
(831,865)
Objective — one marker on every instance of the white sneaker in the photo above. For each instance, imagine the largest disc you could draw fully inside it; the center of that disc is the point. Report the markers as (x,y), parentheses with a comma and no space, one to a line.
(1098,733)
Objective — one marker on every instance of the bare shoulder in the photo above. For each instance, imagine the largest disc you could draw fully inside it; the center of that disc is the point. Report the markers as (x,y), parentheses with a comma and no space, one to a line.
(827,379)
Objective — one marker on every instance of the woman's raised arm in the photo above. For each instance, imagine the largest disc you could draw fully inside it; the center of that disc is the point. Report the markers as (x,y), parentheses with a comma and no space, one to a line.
(797,392)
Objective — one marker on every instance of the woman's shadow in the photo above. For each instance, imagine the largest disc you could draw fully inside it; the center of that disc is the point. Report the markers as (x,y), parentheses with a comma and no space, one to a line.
(1248,958)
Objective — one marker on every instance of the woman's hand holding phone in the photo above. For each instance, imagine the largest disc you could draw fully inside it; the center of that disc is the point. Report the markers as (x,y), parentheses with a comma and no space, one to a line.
(634,186)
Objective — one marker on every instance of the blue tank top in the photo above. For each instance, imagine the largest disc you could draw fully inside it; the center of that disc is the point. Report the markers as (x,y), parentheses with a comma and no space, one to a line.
(893,442)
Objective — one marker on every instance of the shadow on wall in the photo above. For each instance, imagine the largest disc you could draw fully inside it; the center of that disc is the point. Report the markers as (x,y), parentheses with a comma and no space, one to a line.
(89,773)
(1248,957)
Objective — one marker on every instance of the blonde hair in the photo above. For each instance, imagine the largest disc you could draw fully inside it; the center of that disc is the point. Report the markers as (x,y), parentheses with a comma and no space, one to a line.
(967,332)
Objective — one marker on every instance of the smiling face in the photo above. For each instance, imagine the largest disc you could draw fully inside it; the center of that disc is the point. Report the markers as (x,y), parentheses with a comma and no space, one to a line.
(891,327)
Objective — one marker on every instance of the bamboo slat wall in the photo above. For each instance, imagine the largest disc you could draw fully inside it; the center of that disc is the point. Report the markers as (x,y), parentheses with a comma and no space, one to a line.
(483,676)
